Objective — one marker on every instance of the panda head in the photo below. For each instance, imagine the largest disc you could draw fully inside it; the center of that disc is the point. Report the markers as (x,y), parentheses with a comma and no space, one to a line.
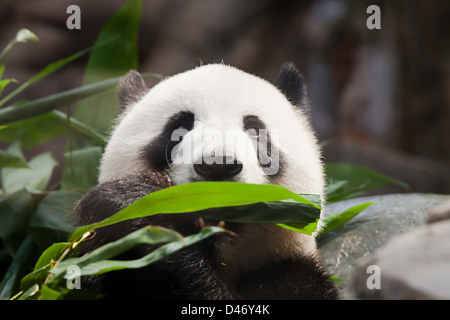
(216,122)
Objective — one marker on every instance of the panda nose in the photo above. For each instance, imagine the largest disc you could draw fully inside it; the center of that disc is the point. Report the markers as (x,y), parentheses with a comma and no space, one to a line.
(219,171)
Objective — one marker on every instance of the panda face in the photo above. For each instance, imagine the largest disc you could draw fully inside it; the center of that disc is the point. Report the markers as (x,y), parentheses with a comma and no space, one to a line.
(215,123)
(218,123)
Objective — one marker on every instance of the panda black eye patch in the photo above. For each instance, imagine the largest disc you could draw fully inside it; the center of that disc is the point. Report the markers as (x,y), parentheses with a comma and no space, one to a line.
(253,122)
(157,154)
(265,150)
(182,119)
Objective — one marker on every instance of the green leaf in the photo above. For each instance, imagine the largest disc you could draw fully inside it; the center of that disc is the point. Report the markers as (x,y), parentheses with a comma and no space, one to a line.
(146,235)
(16,210)
(52,67)
(36,177)
(43,265)
(55,101)
(31,292)
(49,223)
(7,159)
(18,268)
(114,59)
(34,131)
(347,181)
(4,82)
(199,196)
(337,279)
(82,128)
(22,36)
(337,220)
(95,263)
(80,168)
(333,187)
(43,128)
(50,255)
(50,294)
(288,214)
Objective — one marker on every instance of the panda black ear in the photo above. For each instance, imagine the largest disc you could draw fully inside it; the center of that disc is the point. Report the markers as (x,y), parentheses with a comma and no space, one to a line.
(131,89)
(290,82)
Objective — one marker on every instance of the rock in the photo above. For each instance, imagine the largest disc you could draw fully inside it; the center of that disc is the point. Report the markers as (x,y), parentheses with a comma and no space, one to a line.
(414,265)
(387,217)
(440,213)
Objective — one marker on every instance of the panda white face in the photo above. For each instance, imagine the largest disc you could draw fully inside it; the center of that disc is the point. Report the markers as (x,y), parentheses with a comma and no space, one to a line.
(218,123)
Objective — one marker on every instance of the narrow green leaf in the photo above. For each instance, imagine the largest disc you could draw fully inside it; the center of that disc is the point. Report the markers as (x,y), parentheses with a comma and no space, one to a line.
(337,280)
(16,210)
(4,82)
(114,59)
(82,128)
(49,223)
(17,268)
(146,235)
(50,254)
(288,214)
(36,177)
(22,36)
(337,220)
(102,266)
(31,292)
(8,159)
(52,67)
(43,128)
(43,265)
(48,293)
(80,168)
(200,196)
(55,101)
(357,181)
(347,192)
(334,186)
(305,227)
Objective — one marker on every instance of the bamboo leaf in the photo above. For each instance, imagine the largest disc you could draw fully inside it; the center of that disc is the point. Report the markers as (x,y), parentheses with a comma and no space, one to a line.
(31,292)
(36,177)
(43,265)
(7,159)
(49,69)
(55,101)
(43,128)
(22,36)
(47,293)
(4,82)
(114,59)
(200,196)
(349,181)
(337,220)
(94,263)
(49,223)
(80,168)
(16,210)
(17,268)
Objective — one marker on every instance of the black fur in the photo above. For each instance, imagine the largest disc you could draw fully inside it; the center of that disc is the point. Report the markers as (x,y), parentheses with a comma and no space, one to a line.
(193,272)
(157,154)
(291,83)
(131,89)
(265,149)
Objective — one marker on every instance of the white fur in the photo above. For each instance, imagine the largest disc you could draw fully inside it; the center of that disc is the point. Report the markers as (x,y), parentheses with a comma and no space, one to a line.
(220,96)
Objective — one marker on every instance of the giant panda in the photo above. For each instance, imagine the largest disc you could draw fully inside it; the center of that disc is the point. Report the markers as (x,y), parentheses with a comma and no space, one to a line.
(262,261)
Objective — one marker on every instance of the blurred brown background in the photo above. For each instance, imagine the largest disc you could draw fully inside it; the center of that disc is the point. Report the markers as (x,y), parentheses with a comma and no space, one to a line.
(380,98)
